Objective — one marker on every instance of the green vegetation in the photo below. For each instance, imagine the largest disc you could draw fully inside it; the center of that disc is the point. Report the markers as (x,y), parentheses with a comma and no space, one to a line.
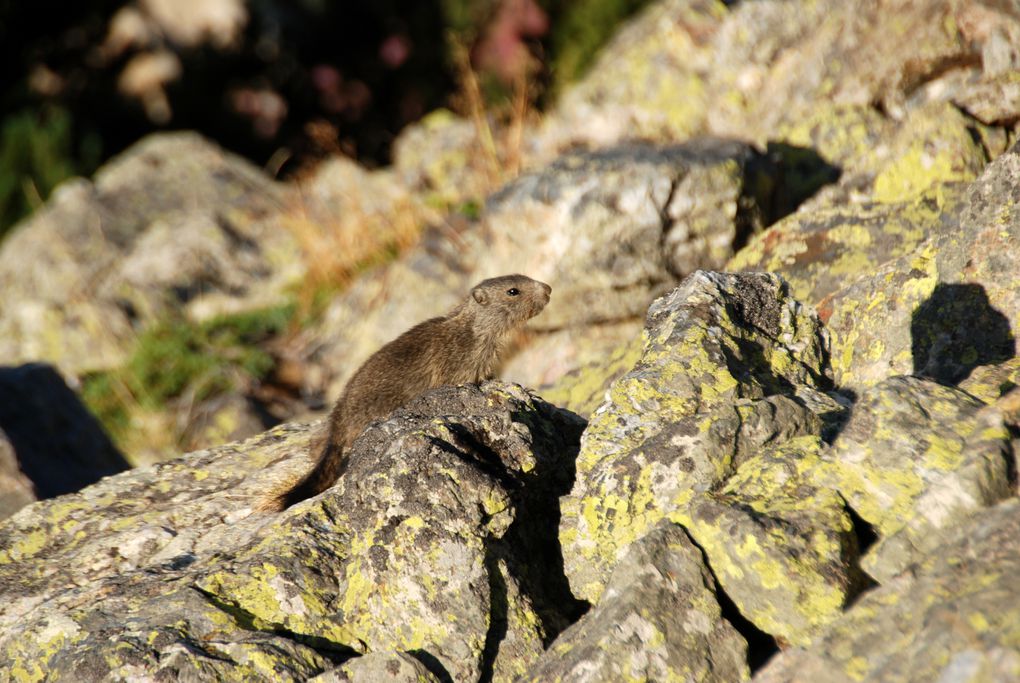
(35,155)
(177,357)
(579,29)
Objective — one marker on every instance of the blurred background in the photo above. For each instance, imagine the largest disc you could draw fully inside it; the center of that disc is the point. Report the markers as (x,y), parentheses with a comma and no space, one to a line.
(284,83)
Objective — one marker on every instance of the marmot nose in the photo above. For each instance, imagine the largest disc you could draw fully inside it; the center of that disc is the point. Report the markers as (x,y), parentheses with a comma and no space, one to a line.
(547,288)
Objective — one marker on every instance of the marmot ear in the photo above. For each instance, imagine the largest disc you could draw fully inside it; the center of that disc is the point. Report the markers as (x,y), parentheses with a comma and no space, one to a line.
(480,295)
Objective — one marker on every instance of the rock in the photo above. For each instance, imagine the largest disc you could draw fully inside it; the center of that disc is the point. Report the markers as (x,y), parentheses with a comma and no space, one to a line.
(899,184)
(583,389)
(781,544)
(658,620)
(394,667)
(953,618)
(946,308)
(203,235)
(608,230)
(914,457)
(732,369)
(990,382)
(821,249)
(612,229)
(52,445)
(16,490)
(440,159)
(434,542)
(752,70)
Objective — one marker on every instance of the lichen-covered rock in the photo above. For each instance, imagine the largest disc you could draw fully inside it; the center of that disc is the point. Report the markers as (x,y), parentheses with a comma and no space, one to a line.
(659,619)
(983,248)
(917,456)
(381,667)
(440,158)
(434,541)
(821,249)
(723,361)
(950,306)
(203,234)
(52,445)
(991,382)
(753,70)
(583,389)
(955,617)
(899,184)
(782,546)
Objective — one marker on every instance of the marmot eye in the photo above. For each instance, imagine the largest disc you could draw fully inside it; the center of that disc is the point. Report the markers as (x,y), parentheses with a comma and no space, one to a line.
(513,291)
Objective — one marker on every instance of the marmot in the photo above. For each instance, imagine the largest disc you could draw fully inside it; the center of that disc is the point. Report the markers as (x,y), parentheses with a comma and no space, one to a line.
(460,347)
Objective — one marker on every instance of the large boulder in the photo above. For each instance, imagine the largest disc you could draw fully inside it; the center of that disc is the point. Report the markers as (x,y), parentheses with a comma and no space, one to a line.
(915,457)
(729,392)
(173,222)
(659,620)
(760,70)
(947,307)
(954,617)
(438,541)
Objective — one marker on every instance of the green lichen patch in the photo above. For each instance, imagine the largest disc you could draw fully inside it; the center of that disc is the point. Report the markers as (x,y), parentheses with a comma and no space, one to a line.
(843,134)
(671,427)
(584,389)
(820,250)
(990,382)
(869,321)
(782,548)
(934,146)
(954,617)
(917,456)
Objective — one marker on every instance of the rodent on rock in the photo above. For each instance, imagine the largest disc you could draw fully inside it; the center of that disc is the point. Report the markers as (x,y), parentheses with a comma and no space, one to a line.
(460,347)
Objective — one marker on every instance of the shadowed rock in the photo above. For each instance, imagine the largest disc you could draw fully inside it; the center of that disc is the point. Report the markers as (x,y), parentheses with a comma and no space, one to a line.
(956,330)
(59,446)
(440,541)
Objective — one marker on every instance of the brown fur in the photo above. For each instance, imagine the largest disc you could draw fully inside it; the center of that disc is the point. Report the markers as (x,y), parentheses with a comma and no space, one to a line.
(461,347)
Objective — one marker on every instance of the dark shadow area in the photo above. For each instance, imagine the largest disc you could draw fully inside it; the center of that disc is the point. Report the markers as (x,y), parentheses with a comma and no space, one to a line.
(865,536)
(434,666)
(498,612)
(833,421)
(59,445)
(752,367)
(530,549)
(802,172)
(531,545)
(956,330)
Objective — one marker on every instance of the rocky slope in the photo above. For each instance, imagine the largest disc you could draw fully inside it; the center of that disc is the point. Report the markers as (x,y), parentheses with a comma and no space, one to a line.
(772,425)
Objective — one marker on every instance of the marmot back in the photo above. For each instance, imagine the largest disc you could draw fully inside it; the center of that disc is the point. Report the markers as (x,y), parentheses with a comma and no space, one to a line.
(461,347)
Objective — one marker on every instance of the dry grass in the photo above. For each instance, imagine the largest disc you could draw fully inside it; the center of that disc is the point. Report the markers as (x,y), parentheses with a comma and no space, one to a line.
(499,128)
(338,245)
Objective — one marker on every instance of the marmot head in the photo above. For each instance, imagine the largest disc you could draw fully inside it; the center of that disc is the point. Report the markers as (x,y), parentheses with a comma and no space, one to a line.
(510,299)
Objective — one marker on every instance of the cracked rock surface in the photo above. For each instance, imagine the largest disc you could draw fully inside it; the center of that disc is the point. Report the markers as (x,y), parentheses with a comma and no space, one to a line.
(439,541)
